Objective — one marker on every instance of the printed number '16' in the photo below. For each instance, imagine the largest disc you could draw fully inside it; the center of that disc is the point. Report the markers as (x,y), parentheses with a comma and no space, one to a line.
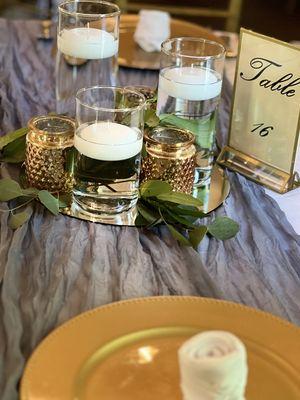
(263,130)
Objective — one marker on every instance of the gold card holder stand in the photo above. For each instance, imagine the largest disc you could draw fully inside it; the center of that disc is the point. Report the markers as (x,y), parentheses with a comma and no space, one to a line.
(265,117)
(257,171)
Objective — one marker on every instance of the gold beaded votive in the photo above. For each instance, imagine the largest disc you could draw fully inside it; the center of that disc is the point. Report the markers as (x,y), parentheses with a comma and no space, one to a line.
(170,157)
(48,143)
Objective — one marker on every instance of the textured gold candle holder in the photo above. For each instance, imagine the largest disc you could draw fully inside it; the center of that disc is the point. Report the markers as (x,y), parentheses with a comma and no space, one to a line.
(48,143)
(170,157)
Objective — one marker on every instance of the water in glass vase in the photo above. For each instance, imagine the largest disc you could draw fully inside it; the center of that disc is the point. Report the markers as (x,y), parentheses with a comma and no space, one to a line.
(107,167)
(85,57)
(193,93)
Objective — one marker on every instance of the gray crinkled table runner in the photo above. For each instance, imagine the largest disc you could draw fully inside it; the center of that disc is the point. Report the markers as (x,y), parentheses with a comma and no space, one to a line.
(54,268)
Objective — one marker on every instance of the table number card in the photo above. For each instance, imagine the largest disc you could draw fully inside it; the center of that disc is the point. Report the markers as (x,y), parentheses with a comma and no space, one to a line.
(265,117)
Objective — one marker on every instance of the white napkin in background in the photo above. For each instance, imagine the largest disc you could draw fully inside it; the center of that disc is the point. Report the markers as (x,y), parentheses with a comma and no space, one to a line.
(213,366)
(152,29)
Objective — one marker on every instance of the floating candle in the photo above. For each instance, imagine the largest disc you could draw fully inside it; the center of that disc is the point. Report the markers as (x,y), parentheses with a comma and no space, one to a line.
(213,366)
(190,83)
(108,141)
(87,43)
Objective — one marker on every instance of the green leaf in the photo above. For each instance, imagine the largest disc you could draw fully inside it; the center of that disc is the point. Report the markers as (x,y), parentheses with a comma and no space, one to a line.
(178,236)
(223,228)
(9,189)
(179,219)
(197,234)
(203,128)
(175,233)
(189,210)
(140,221)
(30,192)
(49,201)
(14,152)
(151,119)
(182,123)
(151,216)
(19,219)
(154,188)
(180,198)
(11,136)
(23,178)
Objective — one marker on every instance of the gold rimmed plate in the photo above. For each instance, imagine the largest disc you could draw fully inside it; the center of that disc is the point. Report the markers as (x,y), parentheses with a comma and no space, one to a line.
(128,350)
(133,56)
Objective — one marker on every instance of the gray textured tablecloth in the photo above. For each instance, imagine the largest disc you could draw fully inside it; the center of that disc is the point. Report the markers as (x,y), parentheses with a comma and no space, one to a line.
(54,268)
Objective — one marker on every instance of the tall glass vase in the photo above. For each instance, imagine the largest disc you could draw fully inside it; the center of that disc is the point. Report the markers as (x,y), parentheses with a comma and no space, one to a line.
(190,82)
(87,49)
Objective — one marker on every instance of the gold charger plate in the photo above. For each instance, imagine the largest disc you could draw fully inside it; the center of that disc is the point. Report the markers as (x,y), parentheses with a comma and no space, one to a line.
(133,56)
(128,350)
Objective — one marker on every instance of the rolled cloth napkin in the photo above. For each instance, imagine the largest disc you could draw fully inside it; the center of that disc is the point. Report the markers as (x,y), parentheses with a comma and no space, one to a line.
(213,366)
(152,29)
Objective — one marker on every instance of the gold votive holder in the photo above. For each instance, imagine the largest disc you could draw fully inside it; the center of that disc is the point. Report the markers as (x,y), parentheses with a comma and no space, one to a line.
(49,142)
(170,157)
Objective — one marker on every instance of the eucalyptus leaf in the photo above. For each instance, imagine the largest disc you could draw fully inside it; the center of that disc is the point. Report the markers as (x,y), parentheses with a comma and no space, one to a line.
(9,189)
(223,228)
(179,219)
(175,233)
(14,152)
(189,210)
(151,119)
(197,234)
(178,236)
(179,122)
(140,221)
(152,217)
(167,217)
(16,220)
(203,128)
(49,201)
(12,136)
(23,178)
(180,198)
(30,192)
(154,188)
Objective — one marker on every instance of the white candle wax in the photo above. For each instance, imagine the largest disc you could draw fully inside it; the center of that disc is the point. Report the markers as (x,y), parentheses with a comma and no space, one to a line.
(108,141)
(190,83)
(87,43)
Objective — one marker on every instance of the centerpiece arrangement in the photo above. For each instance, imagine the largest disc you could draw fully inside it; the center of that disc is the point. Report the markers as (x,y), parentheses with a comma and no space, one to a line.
(126,153)
(157,202)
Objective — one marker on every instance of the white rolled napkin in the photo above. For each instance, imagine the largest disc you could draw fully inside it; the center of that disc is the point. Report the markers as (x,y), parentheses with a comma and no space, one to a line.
(152,29)
(213,366)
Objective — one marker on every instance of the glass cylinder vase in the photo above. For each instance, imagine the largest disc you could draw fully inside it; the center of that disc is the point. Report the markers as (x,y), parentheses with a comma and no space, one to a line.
(108,143)
(87,49)
(190,82)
